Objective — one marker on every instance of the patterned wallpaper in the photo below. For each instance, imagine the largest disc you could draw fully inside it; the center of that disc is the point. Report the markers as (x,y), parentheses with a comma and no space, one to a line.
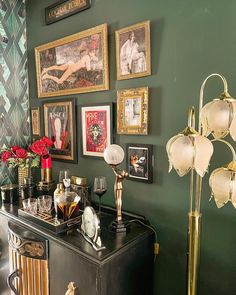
(14,101)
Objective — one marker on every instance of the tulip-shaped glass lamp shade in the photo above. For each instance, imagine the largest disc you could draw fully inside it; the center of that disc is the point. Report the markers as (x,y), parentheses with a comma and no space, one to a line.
(114,154)
(223,184)
(219,117)
(189,150)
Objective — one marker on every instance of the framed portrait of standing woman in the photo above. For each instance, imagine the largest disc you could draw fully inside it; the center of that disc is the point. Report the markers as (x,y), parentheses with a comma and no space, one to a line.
(59,126)
(133,51)
(74,64)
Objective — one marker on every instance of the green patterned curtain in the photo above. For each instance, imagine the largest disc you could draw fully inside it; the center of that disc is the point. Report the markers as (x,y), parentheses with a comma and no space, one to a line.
(14,101)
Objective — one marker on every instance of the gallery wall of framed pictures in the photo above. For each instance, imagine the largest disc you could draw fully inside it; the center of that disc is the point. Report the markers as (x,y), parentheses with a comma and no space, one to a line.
(78,64)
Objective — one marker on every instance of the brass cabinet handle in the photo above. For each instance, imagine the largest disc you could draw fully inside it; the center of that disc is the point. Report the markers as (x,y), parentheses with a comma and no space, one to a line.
(72,289)
(10,279)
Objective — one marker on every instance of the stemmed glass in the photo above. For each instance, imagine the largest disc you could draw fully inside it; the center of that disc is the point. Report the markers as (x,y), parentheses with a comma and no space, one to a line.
(100,187)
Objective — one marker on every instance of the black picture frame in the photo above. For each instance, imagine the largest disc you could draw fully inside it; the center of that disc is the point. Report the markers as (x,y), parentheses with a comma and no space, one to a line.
(139,162)
(65,112)
(96,107)
(54,12)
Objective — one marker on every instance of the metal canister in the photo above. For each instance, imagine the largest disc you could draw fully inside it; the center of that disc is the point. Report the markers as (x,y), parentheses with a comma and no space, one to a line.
(9,193)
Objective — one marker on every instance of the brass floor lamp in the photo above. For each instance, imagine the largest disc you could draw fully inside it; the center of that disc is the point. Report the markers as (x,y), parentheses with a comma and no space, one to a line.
(191,151)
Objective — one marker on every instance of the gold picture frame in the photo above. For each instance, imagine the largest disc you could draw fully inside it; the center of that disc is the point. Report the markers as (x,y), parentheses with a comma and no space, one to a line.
(75,64)
(133,57)
(35,121)
(132,111)
(60,127)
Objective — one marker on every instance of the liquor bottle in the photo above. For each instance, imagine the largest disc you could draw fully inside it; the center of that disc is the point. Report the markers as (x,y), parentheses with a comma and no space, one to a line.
(58,191)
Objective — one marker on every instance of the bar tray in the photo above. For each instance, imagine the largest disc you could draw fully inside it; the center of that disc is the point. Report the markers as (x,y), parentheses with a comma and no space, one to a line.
(49,221)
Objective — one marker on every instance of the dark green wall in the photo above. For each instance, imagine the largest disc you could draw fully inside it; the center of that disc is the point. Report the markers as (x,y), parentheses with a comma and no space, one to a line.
(189,40)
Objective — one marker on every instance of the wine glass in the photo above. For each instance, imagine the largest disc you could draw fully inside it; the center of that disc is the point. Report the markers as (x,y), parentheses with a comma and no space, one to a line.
(100,187)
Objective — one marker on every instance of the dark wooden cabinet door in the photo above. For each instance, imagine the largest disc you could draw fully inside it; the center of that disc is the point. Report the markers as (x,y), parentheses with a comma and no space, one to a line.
(67,266)
(4,256)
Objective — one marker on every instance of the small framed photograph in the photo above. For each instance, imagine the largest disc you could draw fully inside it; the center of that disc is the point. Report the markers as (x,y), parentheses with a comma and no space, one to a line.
(75,64)
(60,126)
(133,51)
(64,8)
(35,121)
(97,127)
(140,162)
(132,111)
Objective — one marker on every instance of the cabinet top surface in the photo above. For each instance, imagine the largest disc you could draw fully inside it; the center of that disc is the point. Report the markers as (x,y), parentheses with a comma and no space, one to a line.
(114,243)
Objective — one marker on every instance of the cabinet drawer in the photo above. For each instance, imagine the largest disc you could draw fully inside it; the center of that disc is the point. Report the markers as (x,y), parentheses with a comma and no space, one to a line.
(66,266)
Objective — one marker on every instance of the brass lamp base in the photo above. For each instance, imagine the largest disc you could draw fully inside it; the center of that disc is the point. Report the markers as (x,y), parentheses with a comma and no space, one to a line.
(119,226)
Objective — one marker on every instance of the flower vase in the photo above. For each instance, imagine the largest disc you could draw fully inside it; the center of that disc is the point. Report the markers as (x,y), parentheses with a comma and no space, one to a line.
(46,169)
(23,172)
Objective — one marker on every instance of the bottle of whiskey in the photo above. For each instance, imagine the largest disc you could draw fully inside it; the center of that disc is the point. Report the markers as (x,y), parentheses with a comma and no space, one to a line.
(57,193)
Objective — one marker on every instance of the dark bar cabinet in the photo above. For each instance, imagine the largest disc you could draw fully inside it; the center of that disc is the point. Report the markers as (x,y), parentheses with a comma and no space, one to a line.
(36,261)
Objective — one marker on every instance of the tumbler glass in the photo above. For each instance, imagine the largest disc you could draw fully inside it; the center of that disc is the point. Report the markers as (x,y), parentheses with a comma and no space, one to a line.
(30,205)
(45,203)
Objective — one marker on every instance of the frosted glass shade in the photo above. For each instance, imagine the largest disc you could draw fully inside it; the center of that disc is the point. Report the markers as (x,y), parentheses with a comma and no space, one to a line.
(189,151)
(219,118)
(223,186)
(114,154)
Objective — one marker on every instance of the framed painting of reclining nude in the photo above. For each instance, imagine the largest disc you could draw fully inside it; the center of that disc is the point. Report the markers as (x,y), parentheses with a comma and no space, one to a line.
(60,127)
(133,51)
(75,64)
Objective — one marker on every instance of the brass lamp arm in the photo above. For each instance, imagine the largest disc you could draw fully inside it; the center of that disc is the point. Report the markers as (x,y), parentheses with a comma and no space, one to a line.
(191,117)
(202,91)
(229,145)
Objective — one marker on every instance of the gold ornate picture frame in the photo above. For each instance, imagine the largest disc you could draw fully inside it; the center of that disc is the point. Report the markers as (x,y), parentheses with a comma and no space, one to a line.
(133,57)
(75,64)
(132,111)
(35,121)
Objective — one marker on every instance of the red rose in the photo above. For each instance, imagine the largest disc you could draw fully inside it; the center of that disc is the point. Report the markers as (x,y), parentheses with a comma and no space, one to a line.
(5,156)
(48,142)
(15,148)
(21,153)
(39,148)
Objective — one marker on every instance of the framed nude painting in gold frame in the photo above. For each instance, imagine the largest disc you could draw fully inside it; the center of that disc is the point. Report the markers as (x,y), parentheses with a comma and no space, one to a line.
(133,58)
(75,64)
(35,121)
(132,111)
(60,127)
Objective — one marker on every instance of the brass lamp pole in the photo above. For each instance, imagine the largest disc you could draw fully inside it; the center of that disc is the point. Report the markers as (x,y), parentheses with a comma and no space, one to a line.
(191,151)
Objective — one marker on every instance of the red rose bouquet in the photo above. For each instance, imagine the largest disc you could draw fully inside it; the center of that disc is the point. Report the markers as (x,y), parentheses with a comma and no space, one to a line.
(19,157)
